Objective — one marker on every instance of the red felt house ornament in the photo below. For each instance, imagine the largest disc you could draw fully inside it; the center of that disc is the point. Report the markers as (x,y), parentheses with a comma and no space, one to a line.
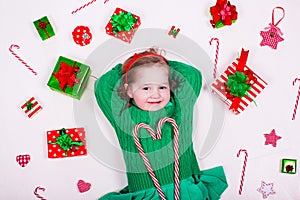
(238,86)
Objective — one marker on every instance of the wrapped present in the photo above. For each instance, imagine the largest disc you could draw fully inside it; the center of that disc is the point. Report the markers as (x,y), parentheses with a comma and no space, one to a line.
(223,14)
(44,28)
(123,25)
(69,77)
(31,107)
(66,143)
(238,86)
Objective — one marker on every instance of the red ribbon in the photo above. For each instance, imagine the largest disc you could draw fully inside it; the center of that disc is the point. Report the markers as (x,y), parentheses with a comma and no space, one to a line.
(241,67)
(66,75)
(43,25)
(223,11)
(135,57)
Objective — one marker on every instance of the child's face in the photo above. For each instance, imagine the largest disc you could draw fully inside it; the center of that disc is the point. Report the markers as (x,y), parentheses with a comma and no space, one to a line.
(150,88)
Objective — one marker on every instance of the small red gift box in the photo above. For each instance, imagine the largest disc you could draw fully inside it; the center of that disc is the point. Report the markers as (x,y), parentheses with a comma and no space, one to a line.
(118,30)
(256,85)
(66,143)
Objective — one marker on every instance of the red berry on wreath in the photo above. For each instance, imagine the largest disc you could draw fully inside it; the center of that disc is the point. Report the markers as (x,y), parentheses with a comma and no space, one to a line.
(82,35)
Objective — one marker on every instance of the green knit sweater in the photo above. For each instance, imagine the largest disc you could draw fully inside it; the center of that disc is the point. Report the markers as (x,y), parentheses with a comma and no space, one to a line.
(159,152)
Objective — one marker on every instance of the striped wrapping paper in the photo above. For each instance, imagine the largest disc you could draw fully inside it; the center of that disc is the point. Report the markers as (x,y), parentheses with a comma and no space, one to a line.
(220,89)
(34,108)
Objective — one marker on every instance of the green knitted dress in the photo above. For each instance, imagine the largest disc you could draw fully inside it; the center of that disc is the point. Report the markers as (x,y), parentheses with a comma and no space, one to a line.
(194,183)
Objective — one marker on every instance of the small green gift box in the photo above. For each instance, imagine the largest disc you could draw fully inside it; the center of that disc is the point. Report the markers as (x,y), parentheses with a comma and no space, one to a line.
(44,28)
(69,77)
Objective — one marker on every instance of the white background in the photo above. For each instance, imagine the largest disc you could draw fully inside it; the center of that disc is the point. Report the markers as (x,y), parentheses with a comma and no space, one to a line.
(59,176)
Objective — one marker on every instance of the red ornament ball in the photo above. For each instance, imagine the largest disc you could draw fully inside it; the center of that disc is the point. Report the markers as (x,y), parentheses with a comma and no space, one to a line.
(82,35)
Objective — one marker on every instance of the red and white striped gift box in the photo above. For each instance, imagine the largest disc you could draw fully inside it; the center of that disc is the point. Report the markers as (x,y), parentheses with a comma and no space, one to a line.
(219,87)
(34,108)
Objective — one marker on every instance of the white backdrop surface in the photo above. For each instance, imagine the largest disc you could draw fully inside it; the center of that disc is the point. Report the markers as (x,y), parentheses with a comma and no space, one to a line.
(245,131)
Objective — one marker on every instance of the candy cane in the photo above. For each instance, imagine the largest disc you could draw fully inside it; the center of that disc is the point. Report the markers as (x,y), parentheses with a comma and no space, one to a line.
(146,161)
(37,195)
(297,99)
(244,169)
(217,54)
(20,59)
(81,7)
(106,1)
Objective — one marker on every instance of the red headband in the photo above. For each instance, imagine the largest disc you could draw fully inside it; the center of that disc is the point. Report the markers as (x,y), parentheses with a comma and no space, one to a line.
(138,56)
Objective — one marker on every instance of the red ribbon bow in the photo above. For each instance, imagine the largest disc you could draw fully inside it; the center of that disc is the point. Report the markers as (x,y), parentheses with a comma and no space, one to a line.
(66,75)
(43,25)
(241,67)
(223,11)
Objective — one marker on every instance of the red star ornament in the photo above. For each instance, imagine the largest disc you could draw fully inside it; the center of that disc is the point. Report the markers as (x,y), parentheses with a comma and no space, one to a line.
(271,138)
(271,38)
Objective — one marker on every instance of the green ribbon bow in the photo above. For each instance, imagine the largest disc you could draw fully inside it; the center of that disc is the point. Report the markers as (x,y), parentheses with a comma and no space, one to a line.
(122,22)
(65,141)
(237,84)
(29,106)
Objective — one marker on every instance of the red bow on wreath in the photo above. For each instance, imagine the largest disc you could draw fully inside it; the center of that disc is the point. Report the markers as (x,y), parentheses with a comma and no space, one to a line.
(66,75)
(223,12)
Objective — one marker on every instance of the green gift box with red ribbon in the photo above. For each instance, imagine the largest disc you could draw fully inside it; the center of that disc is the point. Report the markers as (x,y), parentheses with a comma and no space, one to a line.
(44,28)
(69,77)
(238,86)
(66,143)
(123,25)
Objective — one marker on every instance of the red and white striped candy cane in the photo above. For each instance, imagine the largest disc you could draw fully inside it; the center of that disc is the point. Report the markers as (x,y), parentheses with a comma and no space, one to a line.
(85,5)
(20,59)
(176,153)
(244,169)
(217,55)
(297,99)
(37,195)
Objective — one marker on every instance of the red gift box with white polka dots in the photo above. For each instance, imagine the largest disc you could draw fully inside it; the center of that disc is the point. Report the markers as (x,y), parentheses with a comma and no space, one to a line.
(126,36)
(66,143)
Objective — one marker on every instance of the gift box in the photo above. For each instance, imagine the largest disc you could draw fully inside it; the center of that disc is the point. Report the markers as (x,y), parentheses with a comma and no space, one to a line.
(123,25)
(238,86)
(223,14)
(69,77)
(66,143)
(31,107)
(44,28)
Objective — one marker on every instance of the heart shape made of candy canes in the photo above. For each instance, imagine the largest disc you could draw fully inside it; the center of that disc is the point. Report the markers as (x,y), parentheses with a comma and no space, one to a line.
(156,136)
(83,186)
(23,160)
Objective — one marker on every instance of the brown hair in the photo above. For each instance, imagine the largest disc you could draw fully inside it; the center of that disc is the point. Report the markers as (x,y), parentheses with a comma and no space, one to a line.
(147,59)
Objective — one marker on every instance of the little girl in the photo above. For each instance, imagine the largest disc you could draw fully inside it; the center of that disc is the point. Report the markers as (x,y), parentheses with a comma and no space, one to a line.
(146,93)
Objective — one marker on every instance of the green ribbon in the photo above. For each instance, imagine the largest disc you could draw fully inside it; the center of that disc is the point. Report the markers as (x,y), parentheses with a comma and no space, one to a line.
(65,141)
(29,106)
(237,84)
(122,22)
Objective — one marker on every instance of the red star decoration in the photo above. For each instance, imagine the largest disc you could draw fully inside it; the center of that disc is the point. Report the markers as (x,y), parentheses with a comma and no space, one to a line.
(271,138)
(266,189)
(271,38)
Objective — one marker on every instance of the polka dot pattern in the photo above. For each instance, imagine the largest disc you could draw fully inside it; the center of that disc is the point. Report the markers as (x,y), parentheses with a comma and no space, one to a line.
(82,35)
(76,134)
